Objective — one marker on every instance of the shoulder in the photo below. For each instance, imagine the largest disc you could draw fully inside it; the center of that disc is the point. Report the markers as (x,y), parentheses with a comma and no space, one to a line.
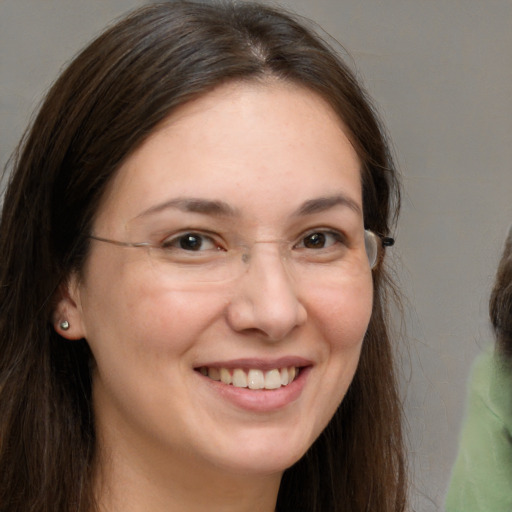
(482,472)
(491,383)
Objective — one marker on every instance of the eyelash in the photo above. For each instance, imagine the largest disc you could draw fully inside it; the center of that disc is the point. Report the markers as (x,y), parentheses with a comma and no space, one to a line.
(173,241)
(176,241)
(325,233)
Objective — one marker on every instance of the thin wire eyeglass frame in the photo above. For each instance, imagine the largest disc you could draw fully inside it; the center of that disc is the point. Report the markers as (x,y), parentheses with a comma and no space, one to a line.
(371,240)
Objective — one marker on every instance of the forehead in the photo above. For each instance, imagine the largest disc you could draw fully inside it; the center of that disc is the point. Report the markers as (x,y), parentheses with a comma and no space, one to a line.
(252,145)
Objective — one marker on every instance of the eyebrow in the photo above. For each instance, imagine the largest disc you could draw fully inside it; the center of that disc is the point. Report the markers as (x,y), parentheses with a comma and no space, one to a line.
(222,209)
(322,204)
(194,205)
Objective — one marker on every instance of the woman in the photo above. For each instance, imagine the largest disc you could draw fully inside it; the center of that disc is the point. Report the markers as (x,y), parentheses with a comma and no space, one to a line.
(483,470)
(189,317)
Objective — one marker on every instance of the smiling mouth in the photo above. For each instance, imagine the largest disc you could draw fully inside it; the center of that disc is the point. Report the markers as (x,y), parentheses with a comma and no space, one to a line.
(252,378)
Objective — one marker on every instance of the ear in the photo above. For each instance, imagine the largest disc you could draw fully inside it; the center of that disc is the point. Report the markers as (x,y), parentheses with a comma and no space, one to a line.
(68,310)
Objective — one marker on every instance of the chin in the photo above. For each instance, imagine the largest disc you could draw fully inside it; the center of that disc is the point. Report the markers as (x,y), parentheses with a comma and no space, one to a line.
(263,458)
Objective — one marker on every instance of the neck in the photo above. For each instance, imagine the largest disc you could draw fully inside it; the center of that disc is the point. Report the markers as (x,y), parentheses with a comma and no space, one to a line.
(137,480)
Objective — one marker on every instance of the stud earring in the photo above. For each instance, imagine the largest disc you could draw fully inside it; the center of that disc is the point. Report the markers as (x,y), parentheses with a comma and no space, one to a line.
(64,325)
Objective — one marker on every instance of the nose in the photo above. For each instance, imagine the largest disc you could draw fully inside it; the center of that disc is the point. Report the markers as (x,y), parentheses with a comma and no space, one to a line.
(266,300)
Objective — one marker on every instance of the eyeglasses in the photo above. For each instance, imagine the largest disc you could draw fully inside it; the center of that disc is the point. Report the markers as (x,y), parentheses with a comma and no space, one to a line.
(198,257)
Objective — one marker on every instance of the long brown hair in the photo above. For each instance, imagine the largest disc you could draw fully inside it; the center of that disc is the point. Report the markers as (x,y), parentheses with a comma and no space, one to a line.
(500,304)
(104,105)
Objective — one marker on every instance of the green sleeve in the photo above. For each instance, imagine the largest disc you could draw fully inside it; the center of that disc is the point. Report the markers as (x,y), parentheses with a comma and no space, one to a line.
(482,475)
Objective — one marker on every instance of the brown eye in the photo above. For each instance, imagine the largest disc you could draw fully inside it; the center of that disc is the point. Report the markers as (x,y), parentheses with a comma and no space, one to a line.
(320,240)
(190,242)
(314,241)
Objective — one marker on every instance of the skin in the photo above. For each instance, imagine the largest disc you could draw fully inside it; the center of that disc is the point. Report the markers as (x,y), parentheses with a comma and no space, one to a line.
(168,437)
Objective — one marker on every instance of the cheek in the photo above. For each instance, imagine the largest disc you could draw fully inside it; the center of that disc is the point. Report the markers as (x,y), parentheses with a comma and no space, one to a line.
(344,314)
(341,316)
(144,339)
(127,315)
(168,321)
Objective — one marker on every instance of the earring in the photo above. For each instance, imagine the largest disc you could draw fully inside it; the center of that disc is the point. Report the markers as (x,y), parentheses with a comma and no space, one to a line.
(64,325)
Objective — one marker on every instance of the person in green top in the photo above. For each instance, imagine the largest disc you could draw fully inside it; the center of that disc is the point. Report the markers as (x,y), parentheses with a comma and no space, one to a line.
(482,475)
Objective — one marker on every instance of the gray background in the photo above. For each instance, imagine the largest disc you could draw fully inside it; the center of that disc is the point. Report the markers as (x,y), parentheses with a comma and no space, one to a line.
(441,74)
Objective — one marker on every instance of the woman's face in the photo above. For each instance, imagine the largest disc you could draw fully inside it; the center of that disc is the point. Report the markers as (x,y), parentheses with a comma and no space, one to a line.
(264,167)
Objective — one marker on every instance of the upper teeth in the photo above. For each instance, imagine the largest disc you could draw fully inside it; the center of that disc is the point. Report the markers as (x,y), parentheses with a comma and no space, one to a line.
(253,378)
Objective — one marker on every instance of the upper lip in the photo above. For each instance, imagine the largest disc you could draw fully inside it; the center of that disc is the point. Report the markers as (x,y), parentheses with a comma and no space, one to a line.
(259,363)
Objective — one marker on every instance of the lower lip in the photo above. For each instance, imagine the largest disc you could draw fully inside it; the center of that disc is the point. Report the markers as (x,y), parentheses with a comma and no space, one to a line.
(260,400)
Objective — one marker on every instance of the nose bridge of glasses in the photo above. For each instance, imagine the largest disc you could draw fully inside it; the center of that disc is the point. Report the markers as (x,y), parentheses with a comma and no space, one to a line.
(265,246)
(267,255)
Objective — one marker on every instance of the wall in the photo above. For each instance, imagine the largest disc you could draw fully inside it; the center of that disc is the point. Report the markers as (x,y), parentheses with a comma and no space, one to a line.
(440,73)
